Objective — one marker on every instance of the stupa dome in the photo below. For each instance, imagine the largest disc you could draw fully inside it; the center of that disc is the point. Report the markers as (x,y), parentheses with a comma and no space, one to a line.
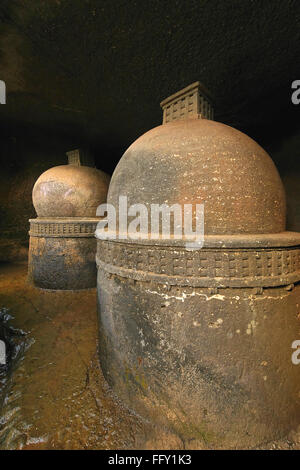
(70,191)
(193,161)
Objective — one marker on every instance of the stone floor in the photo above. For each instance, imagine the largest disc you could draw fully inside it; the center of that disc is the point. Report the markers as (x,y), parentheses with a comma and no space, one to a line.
(57,397)
(53,394)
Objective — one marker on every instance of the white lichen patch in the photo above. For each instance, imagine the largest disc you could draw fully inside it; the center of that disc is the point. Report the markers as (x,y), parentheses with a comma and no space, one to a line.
(216,324)
(184,295)
(251,327)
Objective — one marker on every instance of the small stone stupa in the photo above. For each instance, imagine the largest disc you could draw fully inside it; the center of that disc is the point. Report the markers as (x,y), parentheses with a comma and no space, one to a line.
(62,243)
(200,340)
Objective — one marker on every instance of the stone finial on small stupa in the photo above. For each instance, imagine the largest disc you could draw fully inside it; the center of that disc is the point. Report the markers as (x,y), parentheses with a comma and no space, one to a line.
(194,101)
(78,157)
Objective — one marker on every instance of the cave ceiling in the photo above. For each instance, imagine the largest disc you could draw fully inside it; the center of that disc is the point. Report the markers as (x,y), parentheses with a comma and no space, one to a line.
(94,72)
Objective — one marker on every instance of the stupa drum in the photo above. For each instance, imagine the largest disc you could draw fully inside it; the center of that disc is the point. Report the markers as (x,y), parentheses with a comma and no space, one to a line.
(62,241)
(200,340)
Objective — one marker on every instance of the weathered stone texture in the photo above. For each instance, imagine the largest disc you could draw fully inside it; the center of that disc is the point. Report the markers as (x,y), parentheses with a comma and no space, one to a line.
(65,259)
(200,341)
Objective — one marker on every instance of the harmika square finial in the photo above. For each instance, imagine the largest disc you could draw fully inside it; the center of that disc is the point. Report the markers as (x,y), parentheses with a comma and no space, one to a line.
(79,158)
(194,101)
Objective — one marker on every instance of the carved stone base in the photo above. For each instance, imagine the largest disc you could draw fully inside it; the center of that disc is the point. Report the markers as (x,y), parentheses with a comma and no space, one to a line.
(200,342)
(62,253)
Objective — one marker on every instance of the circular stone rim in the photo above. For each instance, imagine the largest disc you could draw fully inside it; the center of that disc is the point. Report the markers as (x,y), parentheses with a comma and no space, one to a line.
(60,223)
(270,240)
